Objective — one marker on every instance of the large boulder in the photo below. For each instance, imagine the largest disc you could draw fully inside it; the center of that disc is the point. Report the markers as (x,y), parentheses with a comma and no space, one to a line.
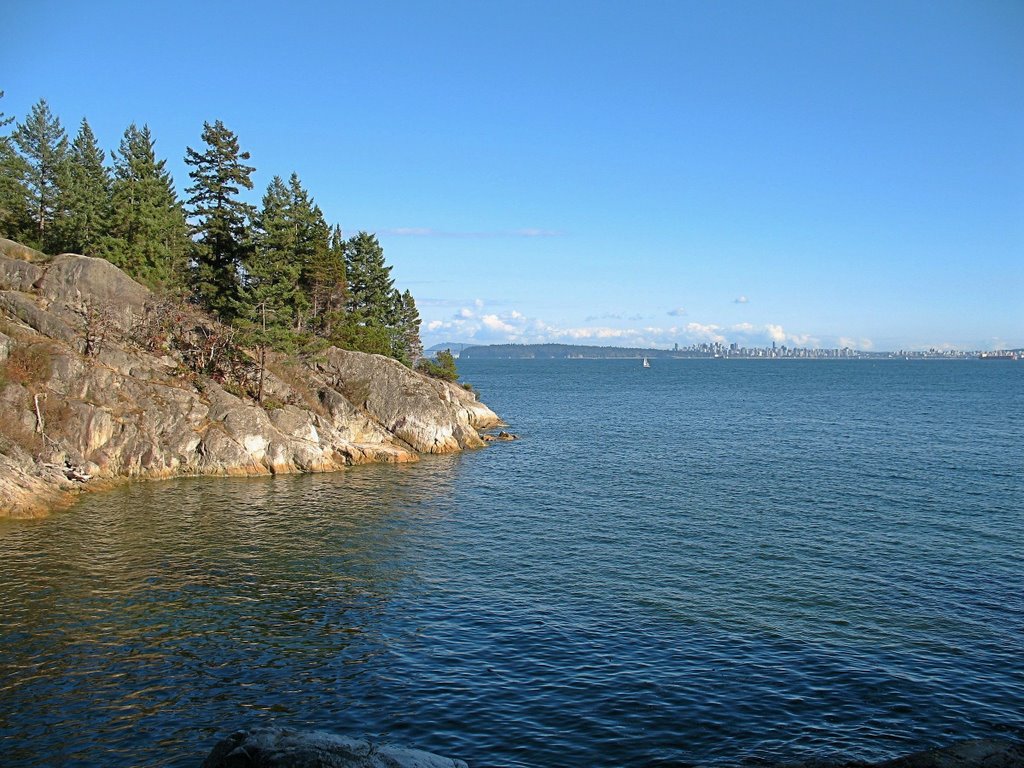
(80,281)
(431,415)
(288,748)
(976,753)
(12,250)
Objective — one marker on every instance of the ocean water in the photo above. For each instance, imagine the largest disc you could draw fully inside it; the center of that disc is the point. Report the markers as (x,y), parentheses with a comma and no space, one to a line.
(707,562)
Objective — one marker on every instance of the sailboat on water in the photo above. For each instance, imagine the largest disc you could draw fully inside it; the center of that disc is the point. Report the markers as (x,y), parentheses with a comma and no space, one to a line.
(647,363)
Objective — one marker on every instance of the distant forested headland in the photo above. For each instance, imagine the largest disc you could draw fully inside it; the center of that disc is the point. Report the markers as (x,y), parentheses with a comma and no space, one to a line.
(278,275)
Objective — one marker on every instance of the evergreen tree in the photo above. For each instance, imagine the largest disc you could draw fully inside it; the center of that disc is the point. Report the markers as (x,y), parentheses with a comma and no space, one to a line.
(148,237)
(441,368)
(409,348)
(312,239)
(272,271)
(85,199)
(370,304)
(14,218)
(219,218)
(327,285)
(287,237)
(43,146)
(370,285)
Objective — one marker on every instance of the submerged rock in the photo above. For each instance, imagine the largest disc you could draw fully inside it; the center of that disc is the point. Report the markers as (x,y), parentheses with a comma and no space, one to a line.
(501,436)
(975,753)
(978,753)
(288,748)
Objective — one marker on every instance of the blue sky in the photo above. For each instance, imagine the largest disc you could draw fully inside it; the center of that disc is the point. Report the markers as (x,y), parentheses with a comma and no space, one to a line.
(812,173)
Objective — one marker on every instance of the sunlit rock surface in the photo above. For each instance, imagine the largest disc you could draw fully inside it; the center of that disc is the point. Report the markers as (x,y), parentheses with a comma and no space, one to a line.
(83,395)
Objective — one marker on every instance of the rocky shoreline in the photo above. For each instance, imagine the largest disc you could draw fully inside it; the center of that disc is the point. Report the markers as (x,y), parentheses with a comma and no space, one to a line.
(93,392)
(274,747)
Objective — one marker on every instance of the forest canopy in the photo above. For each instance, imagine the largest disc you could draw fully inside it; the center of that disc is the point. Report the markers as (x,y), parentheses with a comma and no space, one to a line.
(278,273)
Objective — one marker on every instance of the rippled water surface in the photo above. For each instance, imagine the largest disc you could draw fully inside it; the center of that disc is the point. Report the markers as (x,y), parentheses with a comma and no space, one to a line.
(704,562)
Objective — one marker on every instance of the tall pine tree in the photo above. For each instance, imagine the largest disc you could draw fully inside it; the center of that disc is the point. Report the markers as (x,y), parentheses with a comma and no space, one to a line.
(43,146)
(369,281)
(370,300)
(85,196)
(408,348)
(148,237)
(14,218)
(328,286)
(271,269)
(265,310)
(312,240)
(220,220)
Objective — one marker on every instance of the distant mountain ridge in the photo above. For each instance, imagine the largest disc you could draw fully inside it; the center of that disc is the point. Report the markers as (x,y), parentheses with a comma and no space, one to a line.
(455,347)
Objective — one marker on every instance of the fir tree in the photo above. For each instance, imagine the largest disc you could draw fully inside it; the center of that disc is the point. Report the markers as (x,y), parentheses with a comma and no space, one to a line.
(327,285)
(441,368)
(219,218)
(14,218)
(272,270)
(274,300)
(409,348)
(370,284)
(43,146)
(312,238)
(370,305)
(85,199)
(148,237)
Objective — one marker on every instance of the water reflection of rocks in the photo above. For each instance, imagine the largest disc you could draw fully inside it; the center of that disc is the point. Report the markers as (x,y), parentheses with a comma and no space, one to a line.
(157,602)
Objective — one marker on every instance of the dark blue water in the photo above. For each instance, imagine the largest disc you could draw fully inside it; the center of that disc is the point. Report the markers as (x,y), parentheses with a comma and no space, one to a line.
(705,562)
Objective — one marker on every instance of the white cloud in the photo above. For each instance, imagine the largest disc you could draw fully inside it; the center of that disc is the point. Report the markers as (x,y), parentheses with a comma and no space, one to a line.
(740,300)
(431,232)
(495,323)
(534,232)
(852,343)
(465,313)
(411,232)
(705,332)
(775,332)
(677,312)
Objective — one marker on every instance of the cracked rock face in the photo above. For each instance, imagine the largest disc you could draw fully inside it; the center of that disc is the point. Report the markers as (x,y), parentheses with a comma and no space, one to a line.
(117,410)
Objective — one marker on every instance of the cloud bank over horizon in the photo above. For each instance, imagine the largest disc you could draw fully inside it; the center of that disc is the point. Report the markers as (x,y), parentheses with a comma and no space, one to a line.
(475,322)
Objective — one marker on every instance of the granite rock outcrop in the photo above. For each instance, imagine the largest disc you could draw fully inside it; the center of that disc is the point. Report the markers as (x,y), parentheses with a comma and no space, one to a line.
(91,387)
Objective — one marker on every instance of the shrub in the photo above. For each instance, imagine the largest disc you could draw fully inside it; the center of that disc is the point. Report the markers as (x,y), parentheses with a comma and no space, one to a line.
(442,368)
(28,364)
